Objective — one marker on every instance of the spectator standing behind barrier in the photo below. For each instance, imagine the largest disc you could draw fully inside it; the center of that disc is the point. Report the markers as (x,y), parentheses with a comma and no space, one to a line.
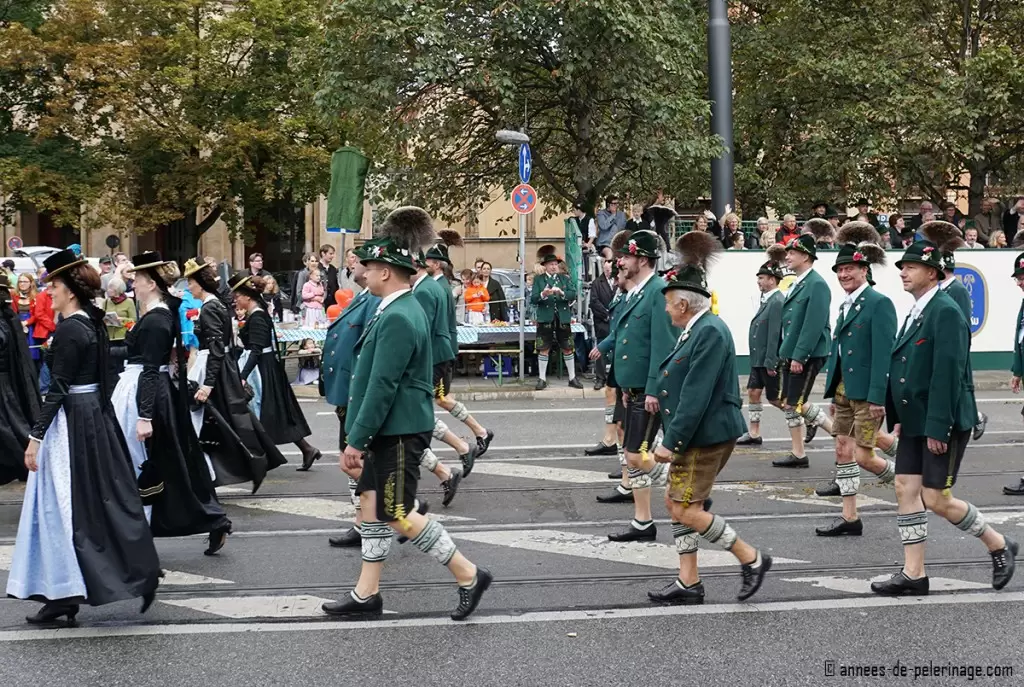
(864,208)
(309,262)
(346,280)
(610,221)
(1011,218)
(43,327)
(973,239)
(272,299)
(328,273)
(731,233)
(988,220)
(788,231)
(106,271)
(122,306)
(24,303)
(926,213)
(997,239)
(476,297)
(495,295)
(256,266)
(951,214)
(602,291)
(464,281)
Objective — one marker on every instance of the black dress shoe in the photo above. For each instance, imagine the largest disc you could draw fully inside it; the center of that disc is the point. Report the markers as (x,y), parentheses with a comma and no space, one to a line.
(901,585)
(575,383)
(1003,563)
(615,474)
(633,534)
(218,538)
(753,577)
(616,497)
(469,597)
(792,461)
(483,443)
(828,489)
(468,460)
(52,612)
(450,487)
(541,385)
(351,609)
(350,538)
(840,527)
(1016,490)
(747,440)
(602,449)
(423,508)
(810,433)
(598,386)
(308,458)
(675,593)
(979,429)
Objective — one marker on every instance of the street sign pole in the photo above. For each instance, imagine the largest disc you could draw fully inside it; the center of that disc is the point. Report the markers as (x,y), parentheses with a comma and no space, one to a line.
(522,298)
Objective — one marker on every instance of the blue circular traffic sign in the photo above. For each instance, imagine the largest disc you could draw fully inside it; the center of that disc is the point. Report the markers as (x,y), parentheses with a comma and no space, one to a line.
(524,199)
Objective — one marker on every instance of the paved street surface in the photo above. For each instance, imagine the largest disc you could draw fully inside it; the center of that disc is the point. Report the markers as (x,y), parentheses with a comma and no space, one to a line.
(568,607)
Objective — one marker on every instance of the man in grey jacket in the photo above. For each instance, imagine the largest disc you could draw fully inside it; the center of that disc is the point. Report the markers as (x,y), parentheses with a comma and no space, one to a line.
(610,221)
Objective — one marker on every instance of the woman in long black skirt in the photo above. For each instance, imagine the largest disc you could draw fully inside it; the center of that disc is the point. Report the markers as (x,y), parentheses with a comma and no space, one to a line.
(239,448)
(19,391)
(83,536)
(153,413)
(276,405)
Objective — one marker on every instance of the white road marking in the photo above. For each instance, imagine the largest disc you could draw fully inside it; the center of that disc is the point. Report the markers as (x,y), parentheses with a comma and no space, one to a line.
(540,472)
(6,556)
(560,447)
(243,607)
(233,490)
(853,585)
(791,495)
(1004,517)
(600,548)
(323,509)
(813,605)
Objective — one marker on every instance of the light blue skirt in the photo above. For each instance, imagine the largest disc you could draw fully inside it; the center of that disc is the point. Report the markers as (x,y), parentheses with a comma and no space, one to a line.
(255,382)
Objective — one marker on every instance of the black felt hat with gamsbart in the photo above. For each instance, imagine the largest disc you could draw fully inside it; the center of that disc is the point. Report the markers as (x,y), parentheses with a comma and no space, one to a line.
(804,243)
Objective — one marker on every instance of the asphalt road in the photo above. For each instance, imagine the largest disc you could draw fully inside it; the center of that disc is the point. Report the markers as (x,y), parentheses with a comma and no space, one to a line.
(568,607)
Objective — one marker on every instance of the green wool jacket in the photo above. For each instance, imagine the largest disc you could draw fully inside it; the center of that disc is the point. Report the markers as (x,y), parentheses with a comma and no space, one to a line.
(615,315)
(392,390)
(861,349)
(765,333)
(453,320)
(1018,348)
(962,297)
(700,402)
(339,358)
(547,308)
(432,298)
(928,383)
(805,320)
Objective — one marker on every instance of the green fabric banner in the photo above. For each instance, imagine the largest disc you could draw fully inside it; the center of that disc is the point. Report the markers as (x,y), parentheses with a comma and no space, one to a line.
(574,251)
(345,199)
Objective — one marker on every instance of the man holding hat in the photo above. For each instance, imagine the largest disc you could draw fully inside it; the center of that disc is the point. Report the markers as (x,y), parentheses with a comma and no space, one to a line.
(696,385)
(804,347)
(929,405)
(644,337)
(858,371)
(1018,357)
(389,420)
(553,295)
(763,337)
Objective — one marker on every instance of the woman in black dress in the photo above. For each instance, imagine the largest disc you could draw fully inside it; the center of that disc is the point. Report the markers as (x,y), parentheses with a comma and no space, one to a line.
(279,411)
(83,536)
(19,391)
(154,416)
(239,448)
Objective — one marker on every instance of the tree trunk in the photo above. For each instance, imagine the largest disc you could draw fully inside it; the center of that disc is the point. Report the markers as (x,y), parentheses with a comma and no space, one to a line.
(183,236)
(976,190)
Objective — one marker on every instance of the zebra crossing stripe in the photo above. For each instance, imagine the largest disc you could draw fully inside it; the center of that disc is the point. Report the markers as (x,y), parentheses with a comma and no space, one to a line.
(854,585)
(244,607)
(323,509)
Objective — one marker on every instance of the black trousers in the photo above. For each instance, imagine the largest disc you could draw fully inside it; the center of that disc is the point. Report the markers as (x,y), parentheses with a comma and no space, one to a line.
(601,364)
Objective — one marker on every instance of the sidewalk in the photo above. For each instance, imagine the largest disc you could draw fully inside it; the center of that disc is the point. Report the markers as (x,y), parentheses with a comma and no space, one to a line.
(480,389)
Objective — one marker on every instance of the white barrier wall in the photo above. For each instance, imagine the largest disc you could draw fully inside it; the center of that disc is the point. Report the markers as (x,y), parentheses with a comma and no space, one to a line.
(985,273)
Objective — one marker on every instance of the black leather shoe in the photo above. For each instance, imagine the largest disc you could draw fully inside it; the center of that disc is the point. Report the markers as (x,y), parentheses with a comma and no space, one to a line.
(633,534)
(615,474)
(598,386)
(308,458)
(792,461)
(450,487)
(828,489)
(1016,490)
(468,460)
(602,449)
(218,538)
(1003,563)
(747,440)
(483,443)
(901,585)
(676,594)
(753,577)
(840,527)
(350,538)
(422,509)
(810,433)
(616,497)
(469,597)
(52,612)
(541,385)
(351,609)
(979,429)
(575,383)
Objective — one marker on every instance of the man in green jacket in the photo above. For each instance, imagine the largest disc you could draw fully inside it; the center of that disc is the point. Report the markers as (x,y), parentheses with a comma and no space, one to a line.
(858,371)
(553,295)
(929,406)
(804,347)
(1018,357)
(701,405)
(763,338)
(644,337)
(389,423)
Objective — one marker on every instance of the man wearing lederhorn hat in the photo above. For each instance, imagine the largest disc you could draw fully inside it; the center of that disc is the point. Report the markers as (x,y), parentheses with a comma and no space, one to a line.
(696,385)
(929,402)
(1018,357)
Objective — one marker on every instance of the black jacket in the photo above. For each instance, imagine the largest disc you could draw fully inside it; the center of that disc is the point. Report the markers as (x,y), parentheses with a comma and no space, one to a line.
(331,285)
(601,294)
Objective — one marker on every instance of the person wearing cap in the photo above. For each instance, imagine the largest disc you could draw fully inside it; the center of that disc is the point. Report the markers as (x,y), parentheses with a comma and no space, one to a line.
(928,404)
(19,390)
(153,413)
(389,421)
(696,385)
(336,369)
(553,295)
(106,271)
(864,208)
(82,536)
(437,259)
(763,338)
(804,347)
(644,337)
(273,402)
(858,369)
(1017,369)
